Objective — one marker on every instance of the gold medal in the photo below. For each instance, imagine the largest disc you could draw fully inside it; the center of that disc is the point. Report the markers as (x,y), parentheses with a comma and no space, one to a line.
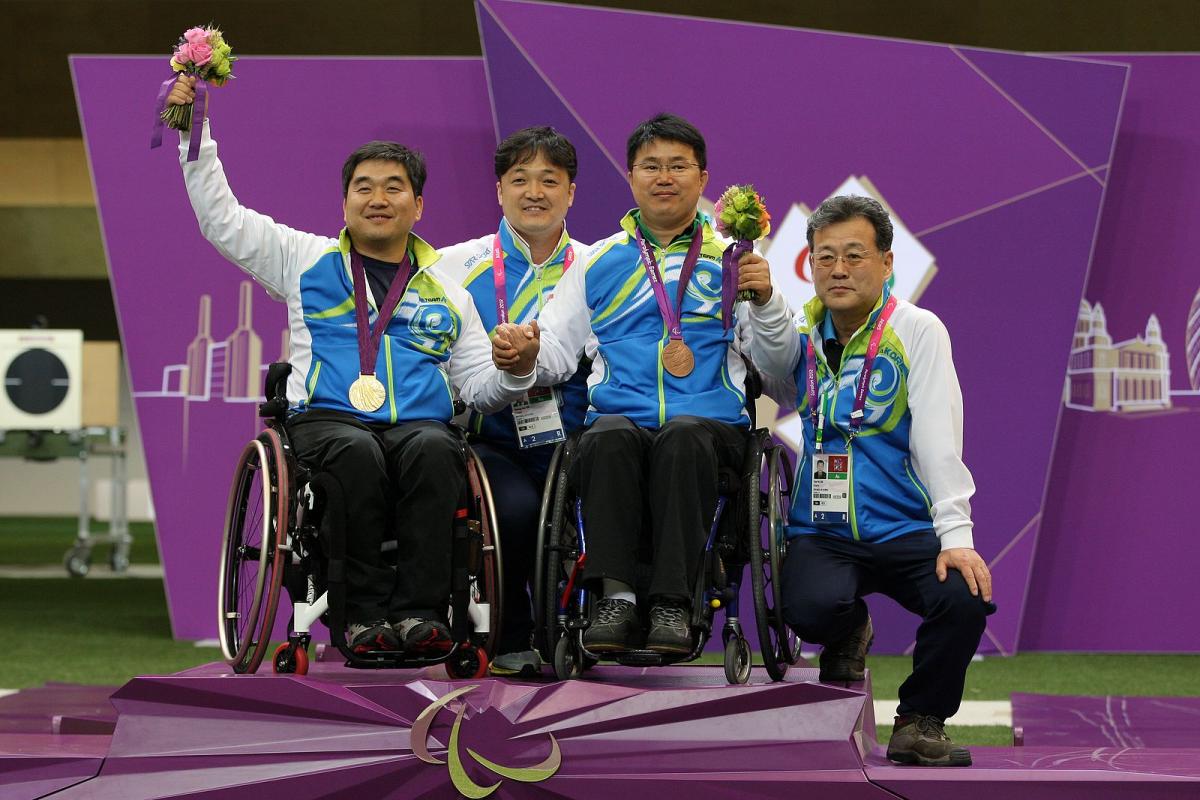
(367,393)
(677,358)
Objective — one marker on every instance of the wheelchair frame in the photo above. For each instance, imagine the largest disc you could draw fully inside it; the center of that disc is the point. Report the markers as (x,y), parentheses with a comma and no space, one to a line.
(563,608)
(281,545)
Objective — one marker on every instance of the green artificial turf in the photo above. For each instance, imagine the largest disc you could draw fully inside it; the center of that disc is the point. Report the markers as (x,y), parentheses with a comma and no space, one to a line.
(89,631)
(997,677)
(30,541)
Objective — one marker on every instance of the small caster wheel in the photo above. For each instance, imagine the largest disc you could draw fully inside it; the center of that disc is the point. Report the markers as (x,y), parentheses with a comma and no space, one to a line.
(290,659)
(468,663)
(119,562)
(737,660)
(567,661)
(78,562)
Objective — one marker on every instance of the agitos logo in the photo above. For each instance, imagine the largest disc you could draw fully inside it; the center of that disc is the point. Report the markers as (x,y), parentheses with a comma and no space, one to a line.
(458,775)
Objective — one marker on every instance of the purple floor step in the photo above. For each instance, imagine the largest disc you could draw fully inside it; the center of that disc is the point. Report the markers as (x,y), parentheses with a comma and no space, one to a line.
(59,708)
(1068,721)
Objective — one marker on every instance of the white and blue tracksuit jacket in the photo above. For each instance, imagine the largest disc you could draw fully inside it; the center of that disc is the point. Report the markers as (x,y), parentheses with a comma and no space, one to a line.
(528,288)
(906,470)
(606,305)
(435,339)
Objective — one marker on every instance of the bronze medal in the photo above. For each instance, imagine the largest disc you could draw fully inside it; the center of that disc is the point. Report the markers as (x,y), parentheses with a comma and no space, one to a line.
(367,393)
(677,358)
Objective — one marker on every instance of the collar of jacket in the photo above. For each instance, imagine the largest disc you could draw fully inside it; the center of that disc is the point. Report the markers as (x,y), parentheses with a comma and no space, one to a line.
(711,246)
(421,250)
(512,242)
(815,311)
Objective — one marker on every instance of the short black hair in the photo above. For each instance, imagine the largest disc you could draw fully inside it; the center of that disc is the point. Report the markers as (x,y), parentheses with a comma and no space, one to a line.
(412,161)
(846,207)
(672,129)
(525,145)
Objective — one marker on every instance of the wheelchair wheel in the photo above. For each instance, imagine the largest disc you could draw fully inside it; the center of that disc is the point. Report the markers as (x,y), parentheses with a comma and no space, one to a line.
(737,660)
(776,640)
(251,561)
(290,659)
(467,663)
(543,641)
(559,551)
(567,661)
(491,575)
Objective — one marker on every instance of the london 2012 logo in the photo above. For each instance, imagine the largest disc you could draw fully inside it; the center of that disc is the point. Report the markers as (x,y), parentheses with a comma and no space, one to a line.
(458,774)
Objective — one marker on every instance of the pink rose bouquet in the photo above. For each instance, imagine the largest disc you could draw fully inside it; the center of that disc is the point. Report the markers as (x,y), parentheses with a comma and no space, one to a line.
(202,52)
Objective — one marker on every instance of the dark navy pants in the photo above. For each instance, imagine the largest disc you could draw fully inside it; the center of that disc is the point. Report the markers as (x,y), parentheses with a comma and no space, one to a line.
(825,578)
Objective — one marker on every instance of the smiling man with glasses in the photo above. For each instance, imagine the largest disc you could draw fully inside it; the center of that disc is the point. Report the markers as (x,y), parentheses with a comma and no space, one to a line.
(887,508)
(650,307)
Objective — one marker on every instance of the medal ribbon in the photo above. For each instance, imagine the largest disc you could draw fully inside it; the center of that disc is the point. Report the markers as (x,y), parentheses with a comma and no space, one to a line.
(368,337)
(729,279)
(816,403)
(501,279)
(670,315)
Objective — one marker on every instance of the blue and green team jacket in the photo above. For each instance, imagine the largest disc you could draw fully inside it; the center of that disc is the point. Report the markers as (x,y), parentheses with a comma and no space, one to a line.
(605,307)
(528,287)
(906,468)
(433,345)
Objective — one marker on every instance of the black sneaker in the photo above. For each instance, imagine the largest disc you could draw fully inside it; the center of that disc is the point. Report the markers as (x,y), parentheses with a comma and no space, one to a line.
(422,637)
(921,739)
(365,637)
(845,661)
(615,626)
(669,632)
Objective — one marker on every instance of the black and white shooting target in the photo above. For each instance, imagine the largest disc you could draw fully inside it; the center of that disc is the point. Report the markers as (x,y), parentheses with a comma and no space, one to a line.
(42,377)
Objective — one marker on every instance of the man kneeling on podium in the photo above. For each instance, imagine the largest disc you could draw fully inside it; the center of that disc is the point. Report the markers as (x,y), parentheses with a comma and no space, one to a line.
(882,500)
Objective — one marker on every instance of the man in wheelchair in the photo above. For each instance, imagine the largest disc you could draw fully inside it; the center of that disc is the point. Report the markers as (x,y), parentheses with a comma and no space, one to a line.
(369,401)
(666,411)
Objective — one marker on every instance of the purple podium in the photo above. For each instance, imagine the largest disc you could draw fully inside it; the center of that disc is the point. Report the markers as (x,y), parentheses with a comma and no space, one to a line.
(670,732)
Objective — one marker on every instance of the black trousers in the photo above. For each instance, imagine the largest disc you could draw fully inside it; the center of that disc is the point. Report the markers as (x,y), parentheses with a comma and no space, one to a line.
(516,478)
(825,578)
(629,476)
(400,482)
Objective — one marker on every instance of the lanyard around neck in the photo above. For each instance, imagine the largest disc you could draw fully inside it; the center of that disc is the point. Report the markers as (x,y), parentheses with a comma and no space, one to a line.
(816,403)
(501,280)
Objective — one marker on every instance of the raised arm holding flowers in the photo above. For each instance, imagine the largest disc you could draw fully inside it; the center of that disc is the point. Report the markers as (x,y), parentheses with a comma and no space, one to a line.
(201,57)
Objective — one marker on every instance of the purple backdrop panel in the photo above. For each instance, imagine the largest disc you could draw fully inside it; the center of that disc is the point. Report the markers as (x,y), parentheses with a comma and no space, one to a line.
(1064,721)
(999,183)
(1116,556)
(196,331)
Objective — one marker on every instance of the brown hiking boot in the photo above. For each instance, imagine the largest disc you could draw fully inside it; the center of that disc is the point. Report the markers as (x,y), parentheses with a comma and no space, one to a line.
(921,739)
(845,661)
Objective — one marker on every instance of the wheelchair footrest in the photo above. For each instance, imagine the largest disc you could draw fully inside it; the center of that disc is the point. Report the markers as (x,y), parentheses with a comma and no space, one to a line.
(646,658)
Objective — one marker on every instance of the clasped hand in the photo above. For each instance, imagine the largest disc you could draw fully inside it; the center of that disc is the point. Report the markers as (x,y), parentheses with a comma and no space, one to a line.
(515,347)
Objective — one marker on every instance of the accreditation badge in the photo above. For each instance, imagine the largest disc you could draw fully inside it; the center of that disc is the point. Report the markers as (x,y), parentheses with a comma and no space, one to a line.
(537,417)
(831,488)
